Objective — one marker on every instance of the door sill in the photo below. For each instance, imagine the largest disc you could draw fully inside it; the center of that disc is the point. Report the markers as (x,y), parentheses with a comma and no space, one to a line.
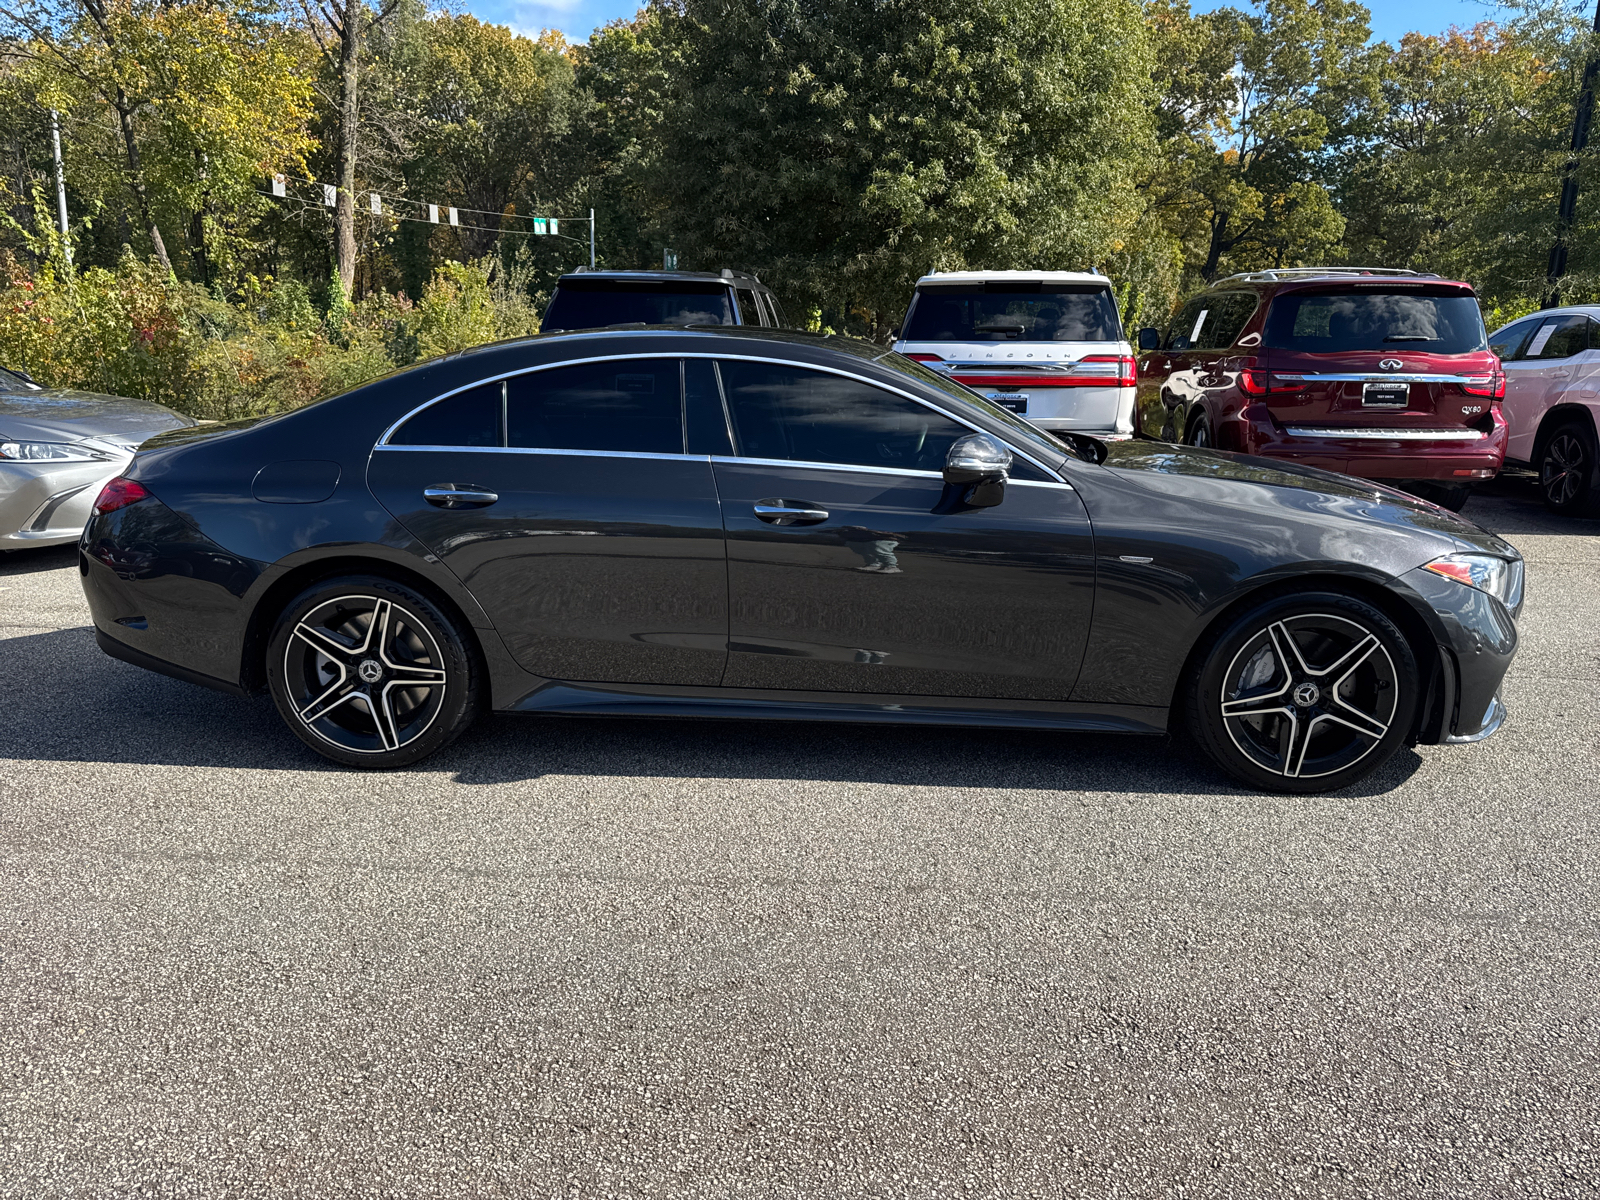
(653,700)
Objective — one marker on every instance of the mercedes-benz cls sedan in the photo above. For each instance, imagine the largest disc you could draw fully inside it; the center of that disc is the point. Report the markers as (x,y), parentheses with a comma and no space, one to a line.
(743,523)
(57,449)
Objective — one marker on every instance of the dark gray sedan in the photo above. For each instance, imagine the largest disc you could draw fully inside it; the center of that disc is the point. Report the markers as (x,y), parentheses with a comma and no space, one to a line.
(57,449)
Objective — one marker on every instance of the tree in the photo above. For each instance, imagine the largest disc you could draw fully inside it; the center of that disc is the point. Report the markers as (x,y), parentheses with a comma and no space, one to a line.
(1256,123)
(491,108)
(848,148)
(204,96)
(340,28)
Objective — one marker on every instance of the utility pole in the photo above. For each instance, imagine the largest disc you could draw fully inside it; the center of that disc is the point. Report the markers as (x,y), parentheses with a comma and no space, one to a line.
(591,211)
(61,186)
(1567,213)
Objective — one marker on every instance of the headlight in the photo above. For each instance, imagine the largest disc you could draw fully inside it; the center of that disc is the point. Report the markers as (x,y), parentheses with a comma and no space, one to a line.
(51,452)
(1500,577)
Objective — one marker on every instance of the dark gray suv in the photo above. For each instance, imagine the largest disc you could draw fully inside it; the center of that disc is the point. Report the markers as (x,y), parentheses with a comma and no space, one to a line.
(596,299)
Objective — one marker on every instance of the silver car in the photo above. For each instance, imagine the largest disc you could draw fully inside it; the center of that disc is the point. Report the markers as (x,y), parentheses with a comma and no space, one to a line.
(57,449)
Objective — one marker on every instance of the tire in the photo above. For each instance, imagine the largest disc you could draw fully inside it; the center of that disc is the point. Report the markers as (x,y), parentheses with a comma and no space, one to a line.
(1304,693)
(1198,432)
(1567,470)
(340,657)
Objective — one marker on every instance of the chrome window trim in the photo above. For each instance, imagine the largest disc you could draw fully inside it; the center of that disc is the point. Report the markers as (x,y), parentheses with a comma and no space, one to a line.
(383,440)
(904,473)
(548,450)
(1341,378)
(1386,435)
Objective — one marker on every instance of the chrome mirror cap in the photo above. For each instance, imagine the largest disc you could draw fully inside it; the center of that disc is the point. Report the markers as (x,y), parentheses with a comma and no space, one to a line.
(977,458)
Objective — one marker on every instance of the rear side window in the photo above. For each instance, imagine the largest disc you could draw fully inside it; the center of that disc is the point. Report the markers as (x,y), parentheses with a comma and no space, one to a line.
(1225,318)
(1345,320)
(790,413)
(1558,337)
(470,418)
(622,405)
(594,303)
(1003,311)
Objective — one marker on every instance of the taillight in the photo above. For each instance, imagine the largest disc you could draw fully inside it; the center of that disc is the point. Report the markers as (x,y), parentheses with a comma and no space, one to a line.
(119,493)
(1125,374)
(924,358)
(1259,383)
(1492,386)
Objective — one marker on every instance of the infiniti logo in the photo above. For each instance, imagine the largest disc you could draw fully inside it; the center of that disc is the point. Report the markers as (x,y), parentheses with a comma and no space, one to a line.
(1391,364)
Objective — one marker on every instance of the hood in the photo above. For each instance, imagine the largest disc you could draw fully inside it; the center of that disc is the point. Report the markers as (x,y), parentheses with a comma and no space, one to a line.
(62,415)
(1257,486)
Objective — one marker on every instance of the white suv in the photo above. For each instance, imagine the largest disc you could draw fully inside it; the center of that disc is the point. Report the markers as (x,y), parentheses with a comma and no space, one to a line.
(1552,404)
(1048,345)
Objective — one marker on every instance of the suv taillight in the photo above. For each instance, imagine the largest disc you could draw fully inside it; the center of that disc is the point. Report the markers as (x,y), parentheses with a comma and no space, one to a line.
(1125,375)
(1259,383)
(1492,386)
(119,493)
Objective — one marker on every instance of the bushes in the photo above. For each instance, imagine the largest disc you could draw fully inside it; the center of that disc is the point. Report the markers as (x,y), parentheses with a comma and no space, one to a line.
(135,331)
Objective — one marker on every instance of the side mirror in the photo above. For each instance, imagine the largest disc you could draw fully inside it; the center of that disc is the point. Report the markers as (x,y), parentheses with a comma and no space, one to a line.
(1149,339)
(978,464)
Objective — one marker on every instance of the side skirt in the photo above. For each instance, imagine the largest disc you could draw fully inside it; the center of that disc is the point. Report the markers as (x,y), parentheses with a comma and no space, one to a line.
(650,700)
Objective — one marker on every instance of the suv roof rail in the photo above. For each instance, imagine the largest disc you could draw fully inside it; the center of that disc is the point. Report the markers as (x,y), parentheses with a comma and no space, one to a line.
(1278,273)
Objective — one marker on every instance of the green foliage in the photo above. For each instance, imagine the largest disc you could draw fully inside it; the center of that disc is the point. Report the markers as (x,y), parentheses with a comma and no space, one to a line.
(134,331)
(846,149)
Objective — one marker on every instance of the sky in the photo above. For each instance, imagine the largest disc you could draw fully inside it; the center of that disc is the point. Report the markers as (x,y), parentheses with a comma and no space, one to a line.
(577,18)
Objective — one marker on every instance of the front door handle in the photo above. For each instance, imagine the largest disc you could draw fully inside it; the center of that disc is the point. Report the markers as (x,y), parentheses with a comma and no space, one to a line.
(450,495)
(790,512)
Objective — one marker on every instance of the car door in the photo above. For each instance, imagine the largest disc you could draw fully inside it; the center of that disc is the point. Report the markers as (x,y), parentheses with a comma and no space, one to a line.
(1180,388)
(563,499)
(1543,370)
(848,570)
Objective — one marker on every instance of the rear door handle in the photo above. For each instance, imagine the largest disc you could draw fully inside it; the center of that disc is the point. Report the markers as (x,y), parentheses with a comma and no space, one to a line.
(790,512)
(450,495)
(1558,373)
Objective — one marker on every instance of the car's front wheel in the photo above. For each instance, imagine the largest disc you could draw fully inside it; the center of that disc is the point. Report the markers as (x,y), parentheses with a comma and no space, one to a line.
(372,673)
(1567,470)
(1304,693)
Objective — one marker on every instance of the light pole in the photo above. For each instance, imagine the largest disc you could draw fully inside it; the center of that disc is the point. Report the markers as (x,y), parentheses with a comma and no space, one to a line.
(61,186)
(1567,212)
(591,211)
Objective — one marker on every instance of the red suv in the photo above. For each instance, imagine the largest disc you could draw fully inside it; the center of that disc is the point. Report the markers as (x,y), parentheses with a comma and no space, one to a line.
(1382,374)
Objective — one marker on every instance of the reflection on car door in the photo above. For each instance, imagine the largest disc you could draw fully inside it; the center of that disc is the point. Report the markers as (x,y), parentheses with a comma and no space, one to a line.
(595,543)
(846,572)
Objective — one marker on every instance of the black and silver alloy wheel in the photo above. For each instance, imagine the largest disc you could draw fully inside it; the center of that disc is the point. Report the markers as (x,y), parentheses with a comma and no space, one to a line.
(1567,470)
(1305,694)
(370,673)
(1198,432)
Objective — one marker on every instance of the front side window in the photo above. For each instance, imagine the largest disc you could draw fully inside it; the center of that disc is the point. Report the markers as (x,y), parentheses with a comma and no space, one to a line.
(1185,329)
(1386,318)
(631,404)
(595,303)
(1005,311)
(1508,343)
(745,301)
(790,413)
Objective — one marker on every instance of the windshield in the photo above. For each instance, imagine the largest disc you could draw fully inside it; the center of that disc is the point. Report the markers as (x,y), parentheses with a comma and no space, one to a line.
(998,312)
(1022,433)
(593,303)
(1389,319)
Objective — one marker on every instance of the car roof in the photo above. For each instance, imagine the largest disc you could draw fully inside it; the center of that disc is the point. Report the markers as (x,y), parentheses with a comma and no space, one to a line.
(1565,310)
(1292,278)
(1017,276)
(724,276)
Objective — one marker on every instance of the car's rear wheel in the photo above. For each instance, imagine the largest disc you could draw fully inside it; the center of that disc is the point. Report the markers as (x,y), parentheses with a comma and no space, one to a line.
(371,673)
(1567,470)
(1304,693)
(1198,430)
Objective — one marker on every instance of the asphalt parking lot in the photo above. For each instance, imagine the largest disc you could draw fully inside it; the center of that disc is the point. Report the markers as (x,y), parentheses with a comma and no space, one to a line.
(621,958)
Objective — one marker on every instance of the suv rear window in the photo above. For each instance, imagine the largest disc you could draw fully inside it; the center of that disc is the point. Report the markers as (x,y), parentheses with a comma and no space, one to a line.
(1001,312)
(1343,320)
(593,303)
